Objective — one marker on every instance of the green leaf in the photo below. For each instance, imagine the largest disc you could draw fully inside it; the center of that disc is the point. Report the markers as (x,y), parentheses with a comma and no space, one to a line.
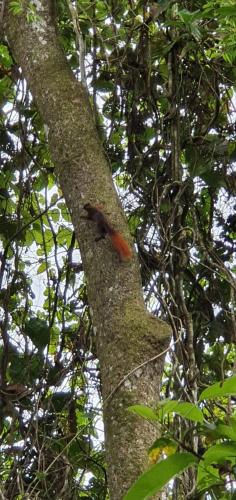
(213,179)
(219,453)
(18,367)
(8,227)
(143,411)
(38,331)
(227,388)
(104,85)
(54,336)
(64,236)
(226,431)
(194,30)
(186,410)
(227,11)
(160,474)
(54,214)
(6,59)
(64,211)
(29,238)
(16,7)
(207,476)
(188,17)
(42,267)
(54,198)
(37,233)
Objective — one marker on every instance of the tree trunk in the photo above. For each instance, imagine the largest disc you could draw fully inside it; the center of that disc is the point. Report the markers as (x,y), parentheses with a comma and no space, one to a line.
(127,335)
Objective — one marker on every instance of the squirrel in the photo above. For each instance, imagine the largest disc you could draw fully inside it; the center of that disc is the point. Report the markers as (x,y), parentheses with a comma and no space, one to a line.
(118,242)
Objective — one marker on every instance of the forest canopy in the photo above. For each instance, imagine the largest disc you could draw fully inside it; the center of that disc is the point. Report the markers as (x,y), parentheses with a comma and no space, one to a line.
(160,79)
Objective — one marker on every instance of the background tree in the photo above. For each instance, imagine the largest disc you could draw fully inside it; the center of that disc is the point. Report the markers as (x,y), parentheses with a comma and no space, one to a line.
(161,81)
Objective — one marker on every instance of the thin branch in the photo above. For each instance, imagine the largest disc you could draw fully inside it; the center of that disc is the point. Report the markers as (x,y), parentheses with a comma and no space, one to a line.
(137,368)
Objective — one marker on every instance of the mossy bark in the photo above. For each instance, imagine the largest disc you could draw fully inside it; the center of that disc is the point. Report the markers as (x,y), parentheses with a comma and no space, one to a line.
(126,334)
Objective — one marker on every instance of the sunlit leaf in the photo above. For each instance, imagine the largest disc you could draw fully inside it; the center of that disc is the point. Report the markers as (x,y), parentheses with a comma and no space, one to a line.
(143,411)
(220,389)
(219,453)
(185,409)
(155,478)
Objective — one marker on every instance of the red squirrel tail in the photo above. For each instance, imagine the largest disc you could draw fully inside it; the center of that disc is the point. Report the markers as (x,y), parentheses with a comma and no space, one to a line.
(121,246)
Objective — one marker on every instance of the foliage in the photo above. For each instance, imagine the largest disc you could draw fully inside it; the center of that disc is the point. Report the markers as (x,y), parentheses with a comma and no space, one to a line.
(216,457)
(162,81)
(155,478)
(17,7)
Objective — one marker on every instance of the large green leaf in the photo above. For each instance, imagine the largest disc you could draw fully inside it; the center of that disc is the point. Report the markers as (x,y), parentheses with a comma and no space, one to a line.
(220,389)
(143,411)
(227,431)
(155,478)
(185,409)
(38,331)
(219,453)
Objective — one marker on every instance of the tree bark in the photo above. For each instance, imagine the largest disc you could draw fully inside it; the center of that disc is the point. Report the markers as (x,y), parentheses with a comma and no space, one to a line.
(127,335)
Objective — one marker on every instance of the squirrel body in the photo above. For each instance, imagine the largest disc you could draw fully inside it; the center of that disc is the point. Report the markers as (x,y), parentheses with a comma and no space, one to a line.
(104,227)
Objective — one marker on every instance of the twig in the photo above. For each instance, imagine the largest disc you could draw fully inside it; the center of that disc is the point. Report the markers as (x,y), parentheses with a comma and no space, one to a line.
(137,368)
